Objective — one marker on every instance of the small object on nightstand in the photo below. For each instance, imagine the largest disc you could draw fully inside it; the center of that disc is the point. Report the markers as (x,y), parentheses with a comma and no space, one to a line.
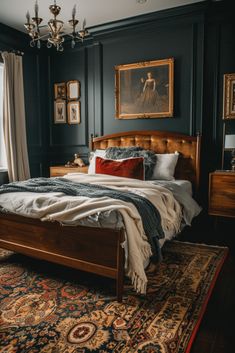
(78,160)
(70,164)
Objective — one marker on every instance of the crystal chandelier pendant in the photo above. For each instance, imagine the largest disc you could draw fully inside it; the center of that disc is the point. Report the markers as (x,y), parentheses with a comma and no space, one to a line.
(73,43)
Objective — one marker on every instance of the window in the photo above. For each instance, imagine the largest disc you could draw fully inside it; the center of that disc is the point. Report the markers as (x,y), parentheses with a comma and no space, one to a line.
(3,160)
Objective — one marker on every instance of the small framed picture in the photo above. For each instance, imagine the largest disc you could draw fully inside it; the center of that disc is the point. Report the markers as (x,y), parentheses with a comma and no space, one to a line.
(229,96)
(73,90)
(59,112)
(73,112)
(60,90)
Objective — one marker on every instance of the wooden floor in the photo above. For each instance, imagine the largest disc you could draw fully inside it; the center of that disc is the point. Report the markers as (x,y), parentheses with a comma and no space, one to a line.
(216,333)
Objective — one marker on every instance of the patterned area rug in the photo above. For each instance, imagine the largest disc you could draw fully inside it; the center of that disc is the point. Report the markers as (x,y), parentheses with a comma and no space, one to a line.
(50,309)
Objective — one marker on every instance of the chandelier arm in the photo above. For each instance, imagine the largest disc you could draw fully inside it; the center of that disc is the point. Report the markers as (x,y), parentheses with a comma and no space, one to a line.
(40,37)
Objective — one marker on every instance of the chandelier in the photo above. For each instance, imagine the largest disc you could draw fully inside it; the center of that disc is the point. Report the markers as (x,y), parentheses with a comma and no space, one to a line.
(55,30)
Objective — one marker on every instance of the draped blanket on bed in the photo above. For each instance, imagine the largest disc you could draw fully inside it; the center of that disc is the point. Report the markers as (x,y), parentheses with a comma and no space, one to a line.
(138,202)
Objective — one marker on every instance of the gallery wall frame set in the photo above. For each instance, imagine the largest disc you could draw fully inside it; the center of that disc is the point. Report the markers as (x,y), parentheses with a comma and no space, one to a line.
(229,97)
(67,95)
(144,89)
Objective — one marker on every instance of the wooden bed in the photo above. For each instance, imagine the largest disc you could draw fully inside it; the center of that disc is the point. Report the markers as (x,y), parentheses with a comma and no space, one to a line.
(92,249)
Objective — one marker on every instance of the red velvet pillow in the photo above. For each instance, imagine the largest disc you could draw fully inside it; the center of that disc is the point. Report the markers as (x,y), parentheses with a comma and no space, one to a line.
(128,168)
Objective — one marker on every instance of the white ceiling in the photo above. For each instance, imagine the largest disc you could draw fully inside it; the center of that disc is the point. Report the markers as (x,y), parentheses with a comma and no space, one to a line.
(12,12)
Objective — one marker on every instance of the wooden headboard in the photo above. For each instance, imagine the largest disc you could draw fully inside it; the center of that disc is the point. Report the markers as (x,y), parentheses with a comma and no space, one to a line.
(188,165)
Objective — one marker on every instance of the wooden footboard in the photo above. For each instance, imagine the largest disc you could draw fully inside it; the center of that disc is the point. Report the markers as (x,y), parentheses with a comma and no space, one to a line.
(95,250)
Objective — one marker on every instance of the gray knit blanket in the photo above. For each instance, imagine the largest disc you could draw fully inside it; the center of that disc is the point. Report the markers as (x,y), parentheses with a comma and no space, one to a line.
(150,216)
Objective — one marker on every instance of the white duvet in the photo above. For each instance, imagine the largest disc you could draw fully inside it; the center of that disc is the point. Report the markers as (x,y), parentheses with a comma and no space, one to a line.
(70,209)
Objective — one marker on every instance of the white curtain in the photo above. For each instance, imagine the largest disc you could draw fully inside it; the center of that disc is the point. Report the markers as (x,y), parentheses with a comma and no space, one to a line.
(14,118)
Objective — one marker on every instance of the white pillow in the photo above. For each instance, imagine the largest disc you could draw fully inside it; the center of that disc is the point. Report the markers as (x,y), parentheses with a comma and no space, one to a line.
(164,168)
(93,155)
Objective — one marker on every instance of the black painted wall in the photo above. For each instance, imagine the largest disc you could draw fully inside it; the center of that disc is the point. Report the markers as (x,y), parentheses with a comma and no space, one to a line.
(200,38)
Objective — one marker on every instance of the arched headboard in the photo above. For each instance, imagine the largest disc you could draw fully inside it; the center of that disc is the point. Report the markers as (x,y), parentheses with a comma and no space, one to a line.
(188,166)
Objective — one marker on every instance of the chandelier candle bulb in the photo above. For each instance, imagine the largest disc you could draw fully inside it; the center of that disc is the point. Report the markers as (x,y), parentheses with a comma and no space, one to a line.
(74,12)
(36,8)
(28,17)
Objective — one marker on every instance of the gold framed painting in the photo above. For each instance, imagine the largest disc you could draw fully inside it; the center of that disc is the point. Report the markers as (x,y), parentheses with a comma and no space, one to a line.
(73,112)
(60,90)
(73,90)
(144,89)
(59,112)
(229,96)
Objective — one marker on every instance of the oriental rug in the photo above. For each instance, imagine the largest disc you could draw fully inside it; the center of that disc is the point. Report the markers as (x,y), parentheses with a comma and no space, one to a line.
(50,309)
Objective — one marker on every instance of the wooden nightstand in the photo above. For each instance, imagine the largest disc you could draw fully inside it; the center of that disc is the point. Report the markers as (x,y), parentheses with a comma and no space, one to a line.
(61,170)
(222,194)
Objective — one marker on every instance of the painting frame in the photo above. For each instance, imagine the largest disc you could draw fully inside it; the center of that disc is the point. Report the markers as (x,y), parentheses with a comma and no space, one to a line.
(73,90)
(144,103)
(74,115)
(229,97)
(60,112)
(60,90)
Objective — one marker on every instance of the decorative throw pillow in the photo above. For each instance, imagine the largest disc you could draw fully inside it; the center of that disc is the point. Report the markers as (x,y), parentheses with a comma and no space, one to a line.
(93,155)
(165,166)
(127,168)
(134,151)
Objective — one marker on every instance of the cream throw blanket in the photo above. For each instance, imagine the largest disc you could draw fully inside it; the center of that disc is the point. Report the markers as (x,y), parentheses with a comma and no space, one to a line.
(69,209)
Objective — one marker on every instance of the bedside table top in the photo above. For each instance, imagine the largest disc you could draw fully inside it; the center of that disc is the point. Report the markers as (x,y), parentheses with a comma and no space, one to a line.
(226,171)
(60,170)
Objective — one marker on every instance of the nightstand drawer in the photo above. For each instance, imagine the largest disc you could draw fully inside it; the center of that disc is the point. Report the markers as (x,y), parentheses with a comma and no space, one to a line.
(222,194)
(62,170)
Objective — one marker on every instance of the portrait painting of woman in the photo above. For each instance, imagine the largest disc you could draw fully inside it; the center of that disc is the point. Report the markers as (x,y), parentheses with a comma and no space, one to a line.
(144,90)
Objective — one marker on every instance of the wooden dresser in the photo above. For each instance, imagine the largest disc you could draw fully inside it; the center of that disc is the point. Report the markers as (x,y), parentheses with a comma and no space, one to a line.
(61,170)
(222,193)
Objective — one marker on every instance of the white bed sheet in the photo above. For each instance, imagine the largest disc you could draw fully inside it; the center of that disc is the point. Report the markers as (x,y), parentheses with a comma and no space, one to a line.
(186,185)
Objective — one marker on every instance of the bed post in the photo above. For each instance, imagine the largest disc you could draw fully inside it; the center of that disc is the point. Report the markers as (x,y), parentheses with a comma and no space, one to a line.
(91,143)
(120,267)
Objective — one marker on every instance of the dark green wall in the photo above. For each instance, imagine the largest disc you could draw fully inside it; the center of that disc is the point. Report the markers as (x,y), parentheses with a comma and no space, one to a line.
(199,37)
(177,33)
